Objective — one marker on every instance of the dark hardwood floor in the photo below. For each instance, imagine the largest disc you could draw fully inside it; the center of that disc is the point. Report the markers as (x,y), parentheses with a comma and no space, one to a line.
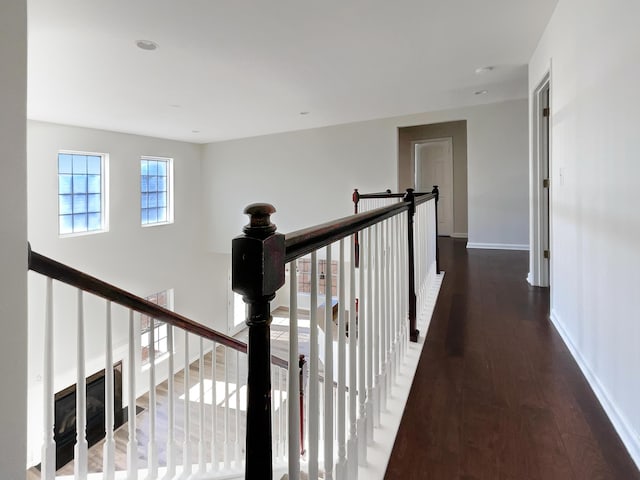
(497,394)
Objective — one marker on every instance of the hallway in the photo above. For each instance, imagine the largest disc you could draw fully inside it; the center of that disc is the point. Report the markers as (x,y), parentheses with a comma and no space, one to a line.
(497,394)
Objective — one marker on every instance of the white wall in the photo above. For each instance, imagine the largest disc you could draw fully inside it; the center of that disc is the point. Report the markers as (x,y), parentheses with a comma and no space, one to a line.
(309,175)
(13,238)
(592,48)
(141,260)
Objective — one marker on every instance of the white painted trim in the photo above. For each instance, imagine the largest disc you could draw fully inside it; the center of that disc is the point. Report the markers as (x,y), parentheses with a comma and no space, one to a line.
(530,279)
(459,235)
(628,435)
(498,246)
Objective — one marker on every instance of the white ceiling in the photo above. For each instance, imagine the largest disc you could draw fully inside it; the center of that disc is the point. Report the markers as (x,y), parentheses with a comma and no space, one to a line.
(234,68)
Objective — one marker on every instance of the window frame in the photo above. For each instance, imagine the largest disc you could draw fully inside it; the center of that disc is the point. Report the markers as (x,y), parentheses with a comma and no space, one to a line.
(157,325)
(104,192)
(169,191)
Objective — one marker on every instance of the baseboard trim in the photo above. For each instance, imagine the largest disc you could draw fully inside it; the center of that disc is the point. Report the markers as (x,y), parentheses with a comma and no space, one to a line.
(530,279)
(498,246)
(459,235)
(630,438)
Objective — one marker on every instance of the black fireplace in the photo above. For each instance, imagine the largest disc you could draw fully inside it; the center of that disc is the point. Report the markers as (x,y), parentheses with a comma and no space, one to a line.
(65,413)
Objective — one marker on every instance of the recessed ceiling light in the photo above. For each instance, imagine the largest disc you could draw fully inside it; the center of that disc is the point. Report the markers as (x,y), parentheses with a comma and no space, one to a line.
(481,70)
(146,44)
(305,113)
(175,105)
(195,131)
(481,92)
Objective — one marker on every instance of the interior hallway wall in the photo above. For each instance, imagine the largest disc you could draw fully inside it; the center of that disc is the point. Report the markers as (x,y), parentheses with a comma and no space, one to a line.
(592,51)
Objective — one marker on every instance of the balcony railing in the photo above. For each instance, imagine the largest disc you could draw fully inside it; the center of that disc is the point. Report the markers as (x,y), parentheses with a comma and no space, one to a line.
(321,417)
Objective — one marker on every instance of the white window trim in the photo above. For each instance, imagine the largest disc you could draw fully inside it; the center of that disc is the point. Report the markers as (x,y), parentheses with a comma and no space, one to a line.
(104,173)
(170,195)
(165,355)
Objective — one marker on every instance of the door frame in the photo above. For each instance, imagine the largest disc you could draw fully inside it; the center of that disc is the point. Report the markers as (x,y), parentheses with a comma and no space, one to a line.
(417,171)
(541,203)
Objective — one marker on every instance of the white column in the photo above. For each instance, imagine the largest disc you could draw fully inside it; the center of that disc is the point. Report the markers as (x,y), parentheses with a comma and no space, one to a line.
(201,452)
(214,408)
(81,457)
(152,455)
(314,403)
(341,466)
(370,332)
(293,390)
(132,444)
(109,449)
(352,444)
(328,370)
(238,451)
(187,460)
(171,439)
(48,464)
(362,353)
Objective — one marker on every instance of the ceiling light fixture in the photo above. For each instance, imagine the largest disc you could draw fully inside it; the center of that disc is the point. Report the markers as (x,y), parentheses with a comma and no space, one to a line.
(304,113)
(481,92)
(195,131)
(481,70)
(147,45)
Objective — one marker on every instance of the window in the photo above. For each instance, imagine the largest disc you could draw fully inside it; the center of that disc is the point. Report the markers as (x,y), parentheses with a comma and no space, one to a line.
(155,191)
(160,344)
(81,192)
(304,276)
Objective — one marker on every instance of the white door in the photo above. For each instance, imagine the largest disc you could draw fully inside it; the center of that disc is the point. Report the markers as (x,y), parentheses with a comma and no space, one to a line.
(434,166)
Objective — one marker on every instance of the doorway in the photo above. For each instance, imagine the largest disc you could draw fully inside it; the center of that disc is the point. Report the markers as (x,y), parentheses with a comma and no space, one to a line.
(433,165)
(541,186)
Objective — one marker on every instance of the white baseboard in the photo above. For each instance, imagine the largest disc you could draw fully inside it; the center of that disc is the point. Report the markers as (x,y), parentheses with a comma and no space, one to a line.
(530,278)
(628,435)
(498,246)
(459,235)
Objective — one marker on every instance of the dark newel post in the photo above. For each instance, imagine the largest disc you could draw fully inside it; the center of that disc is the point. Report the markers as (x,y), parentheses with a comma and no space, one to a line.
(257,273)
(436,192)
(413,331)
(356,199)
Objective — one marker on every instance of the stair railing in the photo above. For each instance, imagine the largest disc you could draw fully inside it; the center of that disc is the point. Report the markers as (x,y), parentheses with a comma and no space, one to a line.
(211,396)
(372,307)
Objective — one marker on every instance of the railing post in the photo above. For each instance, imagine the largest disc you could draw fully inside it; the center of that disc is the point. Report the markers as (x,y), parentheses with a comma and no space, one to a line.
(257,273)
(413,331)
(356,199)
(436,192)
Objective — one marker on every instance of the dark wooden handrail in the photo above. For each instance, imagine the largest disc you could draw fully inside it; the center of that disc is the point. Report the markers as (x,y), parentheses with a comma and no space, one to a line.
(307,240)
(65,274)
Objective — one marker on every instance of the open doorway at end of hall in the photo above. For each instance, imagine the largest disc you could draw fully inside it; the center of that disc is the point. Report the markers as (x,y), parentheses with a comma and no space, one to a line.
(436,154)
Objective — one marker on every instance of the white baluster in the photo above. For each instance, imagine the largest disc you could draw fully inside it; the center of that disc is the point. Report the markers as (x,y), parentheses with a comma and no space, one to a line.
(274,421)
(187,460)
(237,453)
(227,443)
(283,416)
(388,324)
(293,390)
(152,460)
(132,444)
(352,445)
(328,371)
(362,354)
(370,330)
(171,436)
(341,466)
(48,465)
(201,429)
(214,408)
(376,314)
(314,402)
(109,449)
(81,456)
